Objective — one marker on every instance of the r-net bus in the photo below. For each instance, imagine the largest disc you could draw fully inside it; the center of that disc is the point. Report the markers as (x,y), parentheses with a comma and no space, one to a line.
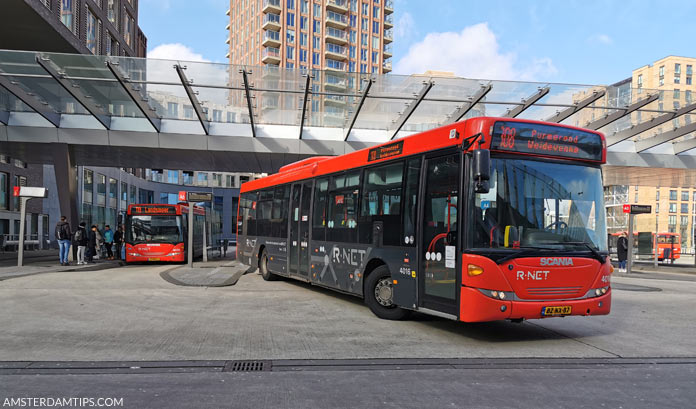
(486,219)
(159,232)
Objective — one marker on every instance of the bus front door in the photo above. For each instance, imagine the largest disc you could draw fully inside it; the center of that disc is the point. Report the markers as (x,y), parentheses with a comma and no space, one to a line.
(298,238)
(439,248)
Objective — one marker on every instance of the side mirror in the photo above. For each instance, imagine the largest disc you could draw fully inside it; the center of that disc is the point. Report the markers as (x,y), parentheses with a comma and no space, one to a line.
(481,170)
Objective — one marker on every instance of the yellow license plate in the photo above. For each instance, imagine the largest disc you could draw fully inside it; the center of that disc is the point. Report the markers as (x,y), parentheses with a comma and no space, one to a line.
(562,310)
(153,259)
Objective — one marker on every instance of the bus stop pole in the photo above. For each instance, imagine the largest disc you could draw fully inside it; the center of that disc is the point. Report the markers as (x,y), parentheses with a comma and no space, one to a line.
(629,256)
(190,235)
(657,253)
(205,239)
(22,227)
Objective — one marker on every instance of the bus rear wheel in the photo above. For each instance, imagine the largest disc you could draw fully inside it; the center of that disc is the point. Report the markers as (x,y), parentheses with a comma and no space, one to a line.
(379,295)
(263,267)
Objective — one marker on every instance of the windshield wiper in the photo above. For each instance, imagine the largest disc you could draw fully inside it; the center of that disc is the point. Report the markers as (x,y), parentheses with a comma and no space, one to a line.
(524,251)
(594,251)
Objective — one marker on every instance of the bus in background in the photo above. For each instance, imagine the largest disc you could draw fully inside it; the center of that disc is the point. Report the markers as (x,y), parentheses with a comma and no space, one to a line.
(158,232)
(485,219)
(668,246)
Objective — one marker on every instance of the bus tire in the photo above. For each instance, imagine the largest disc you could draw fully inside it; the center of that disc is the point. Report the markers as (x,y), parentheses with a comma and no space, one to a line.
(263,267)
(378,295)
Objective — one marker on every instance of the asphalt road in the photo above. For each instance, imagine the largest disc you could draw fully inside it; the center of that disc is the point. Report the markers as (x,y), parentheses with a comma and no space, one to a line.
(129,315)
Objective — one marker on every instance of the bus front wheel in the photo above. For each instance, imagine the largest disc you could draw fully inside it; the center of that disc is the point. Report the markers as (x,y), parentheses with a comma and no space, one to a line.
(379,295)
(263,267)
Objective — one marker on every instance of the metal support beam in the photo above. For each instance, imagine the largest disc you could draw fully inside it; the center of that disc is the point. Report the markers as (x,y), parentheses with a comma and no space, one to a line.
(411,108)
(621,112)
(645,144)
(304,104)
(526,103)
(354,115)
(39,107)
(4,117)
(468,105)
(74,90)
(560,116)
(644,126)
(193,98)
(247,90)
(136,97)
(683,146)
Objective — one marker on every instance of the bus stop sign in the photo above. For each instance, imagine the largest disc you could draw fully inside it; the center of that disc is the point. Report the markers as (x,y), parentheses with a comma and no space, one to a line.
(195,196)
(637,209)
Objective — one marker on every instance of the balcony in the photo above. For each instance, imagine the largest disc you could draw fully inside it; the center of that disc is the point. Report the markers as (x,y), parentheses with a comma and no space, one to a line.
(269,102)
(388,6)
(271,55)
(272,6)
(271,39)
(271,22)
(386,67)
(332,82)
(336,36)
(335,100)
(388,36)
(337,52)
(388,21)
(333,65)
(336,20)
(388,51)
(339,6)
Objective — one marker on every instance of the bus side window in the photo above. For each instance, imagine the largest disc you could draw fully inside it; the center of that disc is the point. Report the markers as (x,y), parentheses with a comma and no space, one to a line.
(280,212)
(381,201)
(342,224)
(411,202)
(320,212)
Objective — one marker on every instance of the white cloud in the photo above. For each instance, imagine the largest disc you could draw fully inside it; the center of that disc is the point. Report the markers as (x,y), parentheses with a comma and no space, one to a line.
(175,51)
(474,53)
(405,25)
(601,38)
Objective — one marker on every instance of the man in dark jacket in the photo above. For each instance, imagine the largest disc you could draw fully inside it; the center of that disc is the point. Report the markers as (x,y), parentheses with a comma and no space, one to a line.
(118,241)
(622,251)
(63,235)
(81,240)
(91,244)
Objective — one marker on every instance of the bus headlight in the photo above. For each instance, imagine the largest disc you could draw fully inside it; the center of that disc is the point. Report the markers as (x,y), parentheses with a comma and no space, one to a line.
(597,292)
(499,295)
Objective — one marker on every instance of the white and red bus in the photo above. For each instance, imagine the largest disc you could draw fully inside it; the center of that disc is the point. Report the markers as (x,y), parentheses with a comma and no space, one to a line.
(486,219)
(158,232)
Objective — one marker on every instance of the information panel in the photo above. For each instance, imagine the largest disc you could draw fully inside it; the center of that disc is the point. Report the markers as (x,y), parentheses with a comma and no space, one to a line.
(386,151)
(546,140)
(153,210)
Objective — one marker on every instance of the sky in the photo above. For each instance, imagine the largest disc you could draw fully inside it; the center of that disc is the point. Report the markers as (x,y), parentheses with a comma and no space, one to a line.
(568,41)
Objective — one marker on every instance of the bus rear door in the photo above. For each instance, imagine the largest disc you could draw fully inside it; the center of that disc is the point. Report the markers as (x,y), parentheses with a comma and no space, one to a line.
(298,239)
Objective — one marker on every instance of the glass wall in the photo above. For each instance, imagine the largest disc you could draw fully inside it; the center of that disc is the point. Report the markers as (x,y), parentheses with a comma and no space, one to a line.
(3,191)
(88,186)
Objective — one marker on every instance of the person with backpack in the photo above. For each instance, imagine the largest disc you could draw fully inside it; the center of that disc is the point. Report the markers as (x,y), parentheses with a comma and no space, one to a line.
(63,235)
(118,241)
(80,239)
(108,242)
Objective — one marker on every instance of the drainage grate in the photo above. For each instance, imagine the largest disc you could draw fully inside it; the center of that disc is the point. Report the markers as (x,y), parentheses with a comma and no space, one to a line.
(246,366)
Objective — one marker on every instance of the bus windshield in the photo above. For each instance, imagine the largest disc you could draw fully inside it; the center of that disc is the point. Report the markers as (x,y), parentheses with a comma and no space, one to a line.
(155,229)
(541,205)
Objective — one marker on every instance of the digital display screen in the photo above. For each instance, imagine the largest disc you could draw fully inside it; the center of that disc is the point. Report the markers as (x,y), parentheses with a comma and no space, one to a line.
(153,210)
(386,151)
(546,140)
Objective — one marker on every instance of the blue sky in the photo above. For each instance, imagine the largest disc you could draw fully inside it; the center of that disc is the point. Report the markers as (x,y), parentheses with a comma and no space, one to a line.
(587,42)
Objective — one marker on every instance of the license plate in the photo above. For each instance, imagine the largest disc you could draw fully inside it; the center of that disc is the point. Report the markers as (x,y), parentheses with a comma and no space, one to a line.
(562,310)
(153,259)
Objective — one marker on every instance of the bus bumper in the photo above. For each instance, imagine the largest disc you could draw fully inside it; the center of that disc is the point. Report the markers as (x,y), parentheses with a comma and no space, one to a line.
(476,307)
(142,259)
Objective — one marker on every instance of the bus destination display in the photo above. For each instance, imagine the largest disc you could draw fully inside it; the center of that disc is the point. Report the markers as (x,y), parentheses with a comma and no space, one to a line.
(546,140)
(386,151)
(153,210)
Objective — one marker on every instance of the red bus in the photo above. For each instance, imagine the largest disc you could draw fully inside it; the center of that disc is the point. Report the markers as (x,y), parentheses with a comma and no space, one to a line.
(668,244)
(158,232)
(485,219)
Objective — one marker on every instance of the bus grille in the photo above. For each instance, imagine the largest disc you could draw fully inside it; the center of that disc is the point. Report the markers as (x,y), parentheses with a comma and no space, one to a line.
(555,292)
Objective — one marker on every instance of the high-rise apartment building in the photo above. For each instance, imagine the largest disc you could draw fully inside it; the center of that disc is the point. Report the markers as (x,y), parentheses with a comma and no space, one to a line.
(341,35)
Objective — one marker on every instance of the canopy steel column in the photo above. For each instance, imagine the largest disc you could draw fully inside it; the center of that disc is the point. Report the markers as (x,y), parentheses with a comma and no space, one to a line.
(468,105)
(578,107)
(39,107)
(74,90)
(66,180)
(526,103)
(192,97)
(645,144)
(247,91)
(136,97)
(621,112)
(354,115)
(644,126)
(304,104)
(411,108)
(4,117)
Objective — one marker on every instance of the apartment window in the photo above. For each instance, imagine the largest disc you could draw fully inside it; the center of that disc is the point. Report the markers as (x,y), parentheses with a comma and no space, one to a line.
(684,208)
(672,195)
(365,8)
(677,94)
(111,45)
(112,12)
(672,207)
(363,67)
(352,51)
(303,39)
(677,68)
(375,43)
(303,23)
(291,19)
(291,4)
(67,14)
(375,11)
(217,115)
(672,220)
(316,26)
(363,54)
(317,10)
(290,36)
(375,57)
(354,5)
(351,67)
(640,80)
(689,69)
(3,191)
(363,39)
(363,24)
(93,33)
(316,43)
(129,30)
(375,27)
(133,194)
(657,195)
(172,109)
(687,96)
(676,79)
(685,195)
(353,20)
(662,71)
(304,6)
(316,60)
(188,112)
(188,177)
(688,80)
(303,56)
(202,179)
(657,208)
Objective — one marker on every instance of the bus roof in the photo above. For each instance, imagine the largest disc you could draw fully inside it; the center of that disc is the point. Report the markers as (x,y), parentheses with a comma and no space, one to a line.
(439,138)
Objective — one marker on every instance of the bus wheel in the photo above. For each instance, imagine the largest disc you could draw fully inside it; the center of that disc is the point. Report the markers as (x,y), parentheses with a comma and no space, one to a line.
(379,295)
(263,267)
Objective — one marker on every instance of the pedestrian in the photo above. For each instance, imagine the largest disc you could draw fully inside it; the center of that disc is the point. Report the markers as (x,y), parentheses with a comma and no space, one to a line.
(118,241)
(92,243)
(98,243)
(63,235)
(622,251)
(108,241)
(81,240)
